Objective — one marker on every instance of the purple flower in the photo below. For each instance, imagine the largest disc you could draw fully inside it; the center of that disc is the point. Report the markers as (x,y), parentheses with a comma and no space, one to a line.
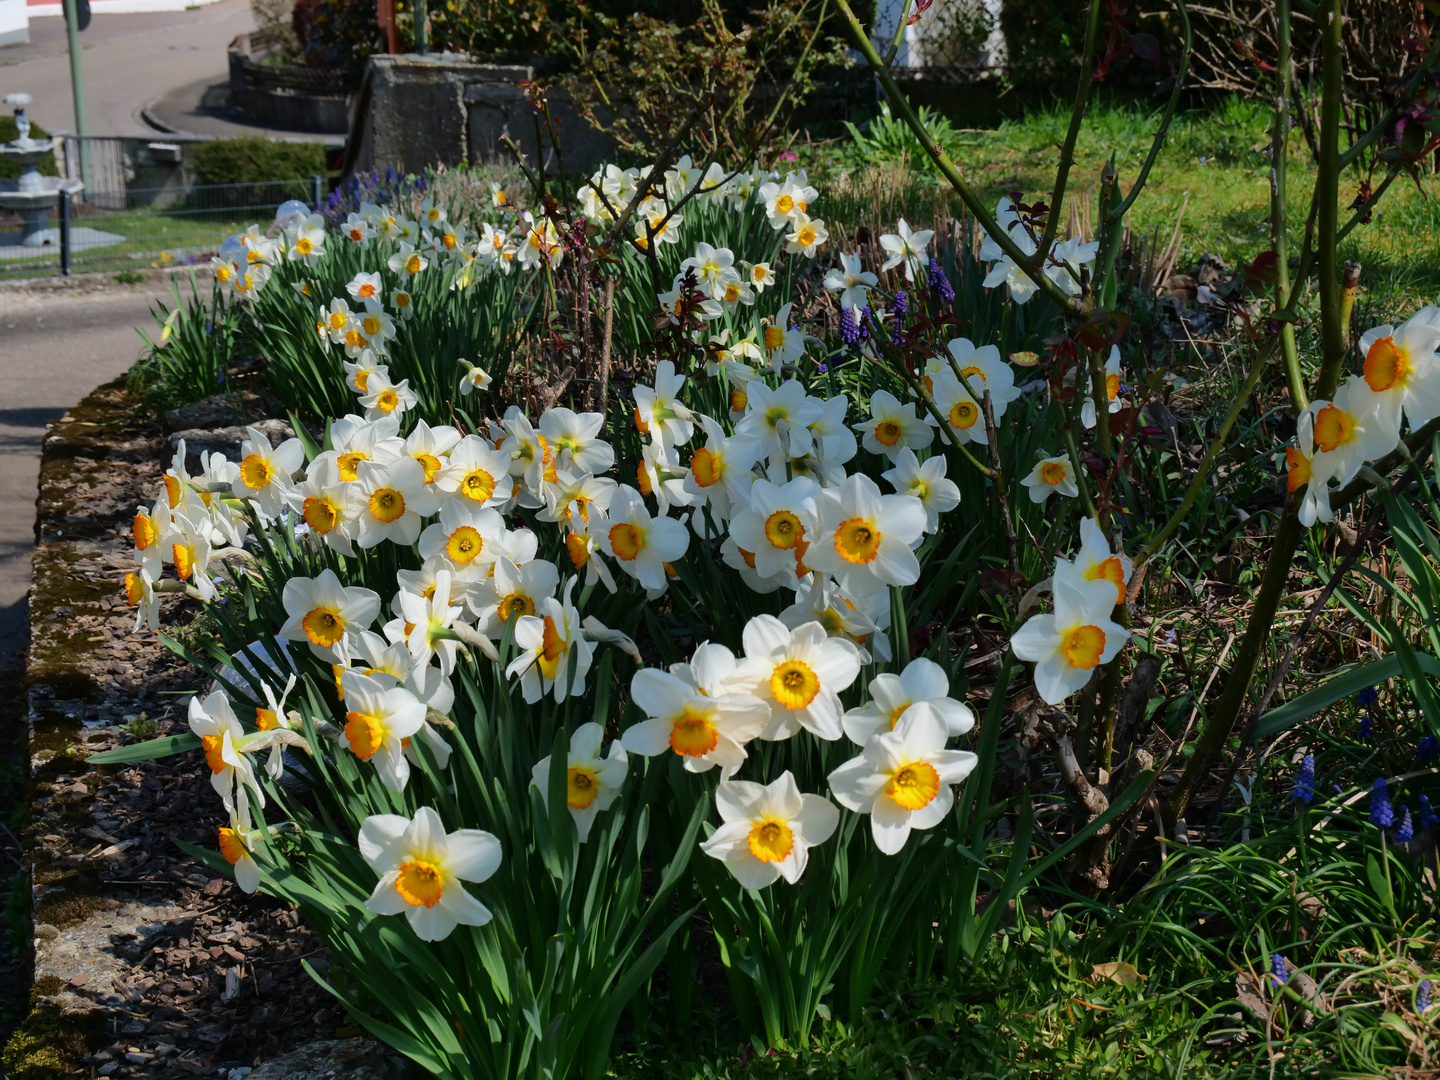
(1426,814)
(1422,998)
(1366,729)
(1305,780)
(1428,748)
(1381,815)
(940,283)
(1405,831)
(866,318)
(902,304)
(823,369)
(1278,971)
(1367,697)
(849,327)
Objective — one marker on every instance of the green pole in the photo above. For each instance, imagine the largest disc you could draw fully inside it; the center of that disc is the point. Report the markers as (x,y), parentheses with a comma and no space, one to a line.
(422,30)
(77,84)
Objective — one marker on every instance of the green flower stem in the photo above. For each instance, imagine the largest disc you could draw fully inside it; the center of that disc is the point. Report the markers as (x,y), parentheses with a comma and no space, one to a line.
(1067,432)
(1202,473)
(1032,265)
(1072,133)
(1333,347)
(1279,238)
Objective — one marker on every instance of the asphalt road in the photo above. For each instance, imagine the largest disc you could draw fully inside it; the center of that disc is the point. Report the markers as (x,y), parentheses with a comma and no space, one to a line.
(129,61)
(56,345)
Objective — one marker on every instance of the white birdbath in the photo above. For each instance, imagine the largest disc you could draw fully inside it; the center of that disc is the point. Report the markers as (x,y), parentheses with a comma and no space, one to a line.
(31,194)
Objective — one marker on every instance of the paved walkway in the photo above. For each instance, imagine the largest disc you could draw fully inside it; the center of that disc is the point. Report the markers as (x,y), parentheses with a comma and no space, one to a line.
(56,345)
(129,61)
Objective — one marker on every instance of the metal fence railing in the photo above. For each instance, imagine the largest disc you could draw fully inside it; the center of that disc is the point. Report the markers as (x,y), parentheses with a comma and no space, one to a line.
(118,230)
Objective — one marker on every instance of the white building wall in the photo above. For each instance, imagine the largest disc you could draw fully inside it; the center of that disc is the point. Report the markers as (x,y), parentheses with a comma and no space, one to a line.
(112,7)
(14,22)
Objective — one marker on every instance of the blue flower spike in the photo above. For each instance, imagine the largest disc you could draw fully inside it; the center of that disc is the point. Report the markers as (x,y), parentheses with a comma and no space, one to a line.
(1305,780)
(1278,971)
(1381,815)
(1367,697)
(1405,831)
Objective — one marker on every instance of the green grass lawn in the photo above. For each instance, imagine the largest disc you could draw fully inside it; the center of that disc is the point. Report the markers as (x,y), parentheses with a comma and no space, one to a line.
(1214,166)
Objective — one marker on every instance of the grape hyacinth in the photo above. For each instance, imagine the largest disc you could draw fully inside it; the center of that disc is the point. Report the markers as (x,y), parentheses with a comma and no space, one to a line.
(1426,816)
(1428,749)
(1367,697)
(940,283)
(1381,815)
(1366,730)
(901,306)
(1405,831)
(1278,971)
(1305,780)
(849,327)
(1422,998)
(866,320)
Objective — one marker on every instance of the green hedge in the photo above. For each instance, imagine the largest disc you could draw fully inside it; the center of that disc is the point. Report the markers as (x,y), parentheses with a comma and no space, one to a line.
(8,132)
(254,161)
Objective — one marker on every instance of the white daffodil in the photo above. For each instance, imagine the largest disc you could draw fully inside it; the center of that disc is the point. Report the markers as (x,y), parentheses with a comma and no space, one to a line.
(904,779)
(778,526)
(358,371)
(357,230)
(421,868)
(221,740)
(806,235)
(1051,476)
(785,200)
(383,398)
(378,721)
(659,412)
(1305,469)
(893,426)
(513,591)
(327,614)
(1066,259)
(478,473)
(1112,390)
(355,439)
(906,247)
(309,243)
(425,624)
(927,482)
(921,687)
(475,378)
(403,302)
(642,545)
(336,319)
(735,293)
(1094,559)
(851,281)
(148,530)
(704,731)
(574,439)
(531,457)
(1402,368)
(780,418)
(767,830)
(864,539)
(798,674)
(238,843)
(1069,644)
(431,447)
(406,261)
(140,594)
(862,620)
(784,344)
(189,543)
(363,287)
(1354,428)
(467,534)
(265,473)
(575,496)
(1006,271)
(393,502)
(714,268)
(586,554)
(720,475)
(549,640)
(592,780)
(760,276)
(540,243)
(656,222)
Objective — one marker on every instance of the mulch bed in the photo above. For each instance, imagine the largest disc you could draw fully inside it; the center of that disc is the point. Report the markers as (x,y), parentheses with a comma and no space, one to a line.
(163,968)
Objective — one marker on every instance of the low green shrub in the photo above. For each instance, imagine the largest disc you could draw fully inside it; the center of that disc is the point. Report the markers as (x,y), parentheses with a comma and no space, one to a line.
(8,132)
(254,161)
